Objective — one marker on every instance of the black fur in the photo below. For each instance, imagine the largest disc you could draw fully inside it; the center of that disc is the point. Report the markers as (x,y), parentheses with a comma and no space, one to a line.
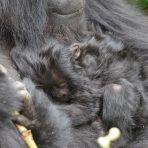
(81,100)
(27,24)
(10,102)
(120,73)
(117,81)
(57,130)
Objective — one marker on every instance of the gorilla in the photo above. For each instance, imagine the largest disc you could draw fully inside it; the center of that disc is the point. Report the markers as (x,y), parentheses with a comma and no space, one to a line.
(69,108)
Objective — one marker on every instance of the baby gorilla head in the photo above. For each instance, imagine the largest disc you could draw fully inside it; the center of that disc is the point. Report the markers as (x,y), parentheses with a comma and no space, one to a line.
(57,72)
(50,68)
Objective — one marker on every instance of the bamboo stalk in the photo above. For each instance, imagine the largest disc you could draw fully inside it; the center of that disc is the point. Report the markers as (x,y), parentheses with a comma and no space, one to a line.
(27,136)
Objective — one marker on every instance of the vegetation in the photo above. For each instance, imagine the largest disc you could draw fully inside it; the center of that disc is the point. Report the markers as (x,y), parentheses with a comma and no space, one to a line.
(142,4)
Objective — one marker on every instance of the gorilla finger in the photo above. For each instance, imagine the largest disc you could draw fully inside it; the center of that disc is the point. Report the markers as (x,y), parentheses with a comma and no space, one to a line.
(3,70)
(21,119)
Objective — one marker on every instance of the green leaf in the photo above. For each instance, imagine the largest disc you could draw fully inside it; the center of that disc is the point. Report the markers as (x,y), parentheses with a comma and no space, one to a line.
(143,4)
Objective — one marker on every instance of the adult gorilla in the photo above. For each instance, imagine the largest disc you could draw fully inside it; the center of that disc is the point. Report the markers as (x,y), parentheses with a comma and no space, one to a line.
(25,26)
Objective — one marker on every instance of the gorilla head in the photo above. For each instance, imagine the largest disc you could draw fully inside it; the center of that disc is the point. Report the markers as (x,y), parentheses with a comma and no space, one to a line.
(25,23)
(27,26)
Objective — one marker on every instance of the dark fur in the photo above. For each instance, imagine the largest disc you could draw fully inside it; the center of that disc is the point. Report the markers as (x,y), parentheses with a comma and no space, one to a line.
(23,24)
(117,78)
(55,131)
(10,101)
(80,101)
(120,73)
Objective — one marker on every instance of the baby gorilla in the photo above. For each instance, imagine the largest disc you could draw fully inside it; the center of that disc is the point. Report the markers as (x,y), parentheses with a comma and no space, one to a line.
(119,72)
(52,70)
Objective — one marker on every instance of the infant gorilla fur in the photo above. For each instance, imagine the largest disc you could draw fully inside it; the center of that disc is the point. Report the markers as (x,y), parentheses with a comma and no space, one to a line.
(56,130)
(53,71)
(120,73)
(115,93)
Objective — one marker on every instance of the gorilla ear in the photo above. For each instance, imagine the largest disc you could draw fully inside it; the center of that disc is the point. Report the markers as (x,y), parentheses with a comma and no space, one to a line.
(76,51)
